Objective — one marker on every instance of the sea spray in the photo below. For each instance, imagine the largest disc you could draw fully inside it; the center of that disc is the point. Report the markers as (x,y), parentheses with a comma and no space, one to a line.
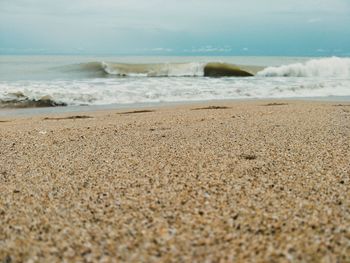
(333,67)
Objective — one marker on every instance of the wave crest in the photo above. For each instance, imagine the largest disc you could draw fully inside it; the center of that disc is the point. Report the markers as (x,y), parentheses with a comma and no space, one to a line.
(326,67)
(193,69)
(154,70)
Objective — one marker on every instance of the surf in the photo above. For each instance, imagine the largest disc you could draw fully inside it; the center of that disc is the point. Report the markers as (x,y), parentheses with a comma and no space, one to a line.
(94,81)
(333,67)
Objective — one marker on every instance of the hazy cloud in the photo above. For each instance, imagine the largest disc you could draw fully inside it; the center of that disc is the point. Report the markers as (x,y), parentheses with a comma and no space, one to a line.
(314,20)
(209,49)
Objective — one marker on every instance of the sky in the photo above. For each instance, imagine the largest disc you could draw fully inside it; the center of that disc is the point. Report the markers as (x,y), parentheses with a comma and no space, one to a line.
(181,27)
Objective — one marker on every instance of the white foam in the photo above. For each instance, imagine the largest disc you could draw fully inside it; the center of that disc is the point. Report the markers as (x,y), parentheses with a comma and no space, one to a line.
(145,90)
(333,67)
(155,70)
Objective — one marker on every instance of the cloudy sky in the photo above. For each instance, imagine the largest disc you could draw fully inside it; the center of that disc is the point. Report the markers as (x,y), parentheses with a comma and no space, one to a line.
(181,27)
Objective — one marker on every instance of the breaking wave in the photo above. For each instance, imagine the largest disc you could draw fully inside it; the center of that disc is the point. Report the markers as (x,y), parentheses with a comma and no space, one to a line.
(194,69)
(333,67)
(154,70)
(102,83)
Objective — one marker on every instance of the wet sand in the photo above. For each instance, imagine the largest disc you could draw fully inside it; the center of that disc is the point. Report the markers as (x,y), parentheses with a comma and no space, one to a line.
(263,181)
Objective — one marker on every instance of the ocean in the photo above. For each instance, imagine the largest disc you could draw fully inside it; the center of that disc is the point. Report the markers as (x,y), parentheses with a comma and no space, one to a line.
(80,81)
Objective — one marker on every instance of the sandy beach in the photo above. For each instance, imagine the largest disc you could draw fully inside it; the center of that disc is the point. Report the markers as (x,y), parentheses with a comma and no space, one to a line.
(258,181)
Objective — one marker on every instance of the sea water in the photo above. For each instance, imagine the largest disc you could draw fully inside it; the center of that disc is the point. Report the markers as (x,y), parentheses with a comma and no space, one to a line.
(108,80)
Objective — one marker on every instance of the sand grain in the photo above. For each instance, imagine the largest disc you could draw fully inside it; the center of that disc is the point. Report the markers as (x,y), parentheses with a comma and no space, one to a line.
(176,185)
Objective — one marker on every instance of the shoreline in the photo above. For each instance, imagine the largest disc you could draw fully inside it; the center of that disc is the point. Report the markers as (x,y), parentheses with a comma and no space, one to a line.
(232,181)
(38,111)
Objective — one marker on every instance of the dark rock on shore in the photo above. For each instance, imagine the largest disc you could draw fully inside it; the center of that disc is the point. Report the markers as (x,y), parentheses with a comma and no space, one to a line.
(25,102)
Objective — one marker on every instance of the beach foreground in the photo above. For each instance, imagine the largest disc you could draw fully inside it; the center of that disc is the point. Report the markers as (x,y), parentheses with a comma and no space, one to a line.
(240,182)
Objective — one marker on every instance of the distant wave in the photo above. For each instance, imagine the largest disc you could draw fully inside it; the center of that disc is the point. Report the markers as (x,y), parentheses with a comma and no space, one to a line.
(326,67)
(193,69)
